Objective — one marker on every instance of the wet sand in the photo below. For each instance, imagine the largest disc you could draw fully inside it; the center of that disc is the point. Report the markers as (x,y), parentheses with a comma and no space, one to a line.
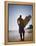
(15,36)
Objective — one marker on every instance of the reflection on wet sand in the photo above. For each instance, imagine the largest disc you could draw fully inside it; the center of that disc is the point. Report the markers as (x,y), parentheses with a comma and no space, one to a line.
(15,36)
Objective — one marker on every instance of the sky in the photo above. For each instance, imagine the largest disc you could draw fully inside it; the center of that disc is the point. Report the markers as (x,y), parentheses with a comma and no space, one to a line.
(14,11)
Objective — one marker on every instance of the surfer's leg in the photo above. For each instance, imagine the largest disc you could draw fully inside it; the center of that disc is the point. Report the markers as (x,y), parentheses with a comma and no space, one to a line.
(21,36)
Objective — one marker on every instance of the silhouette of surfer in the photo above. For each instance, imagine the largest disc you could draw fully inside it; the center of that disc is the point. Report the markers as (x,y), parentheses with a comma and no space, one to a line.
(21,28)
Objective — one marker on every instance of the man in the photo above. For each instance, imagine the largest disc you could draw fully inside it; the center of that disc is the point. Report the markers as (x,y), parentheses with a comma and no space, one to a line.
(21,27)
